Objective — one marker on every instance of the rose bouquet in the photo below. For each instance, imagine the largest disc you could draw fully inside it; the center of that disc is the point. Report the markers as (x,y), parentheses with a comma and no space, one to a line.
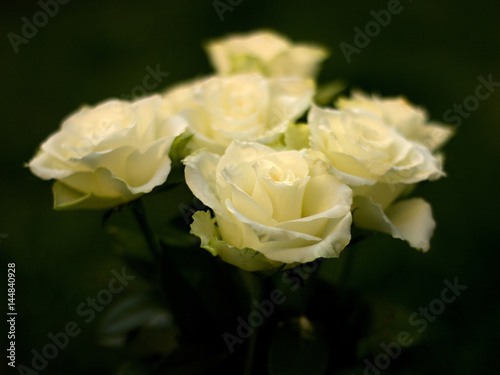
(280,176)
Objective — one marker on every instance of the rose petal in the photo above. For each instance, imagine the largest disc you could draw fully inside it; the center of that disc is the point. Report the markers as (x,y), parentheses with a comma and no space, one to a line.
(410,220)
(91,190)
(200,173)
(204,227)
(336,236)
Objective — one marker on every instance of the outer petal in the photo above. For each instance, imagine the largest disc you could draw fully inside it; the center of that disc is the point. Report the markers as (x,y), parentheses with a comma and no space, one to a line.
(299,61)
(383,193)
(413,219)
(267,52)
(200,175)
(410,220)
(91,190)
(204,227)
(290,246)
(290,98)
(48,166)
(150,166)
(244,53)
(434,135)
(410,120)
(381,155)
(337,235)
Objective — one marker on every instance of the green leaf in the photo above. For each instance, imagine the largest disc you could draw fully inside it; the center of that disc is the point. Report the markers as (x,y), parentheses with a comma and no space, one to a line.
(182,299)
(107,215)
(177,237)
(326,93)
(179,149)
(132,313)
(297,136)
(388,321)
(297,349)
(130,246)
(344,314)
(131,368)
(129,243)
(193,360)
(151,341)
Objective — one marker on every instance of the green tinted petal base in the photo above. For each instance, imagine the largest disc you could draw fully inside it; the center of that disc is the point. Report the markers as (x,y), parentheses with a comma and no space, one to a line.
(205,227)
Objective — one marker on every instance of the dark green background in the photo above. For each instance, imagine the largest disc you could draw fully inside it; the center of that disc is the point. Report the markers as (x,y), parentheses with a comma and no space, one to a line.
(432,52)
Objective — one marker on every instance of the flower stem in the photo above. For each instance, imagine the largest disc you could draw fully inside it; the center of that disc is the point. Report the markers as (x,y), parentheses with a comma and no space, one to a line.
(255,291)
(142,220)
(344,275)
(349,256)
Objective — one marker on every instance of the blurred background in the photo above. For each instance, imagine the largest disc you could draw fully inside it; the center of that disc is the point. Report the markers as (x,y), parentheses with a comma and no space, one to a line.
(431,52)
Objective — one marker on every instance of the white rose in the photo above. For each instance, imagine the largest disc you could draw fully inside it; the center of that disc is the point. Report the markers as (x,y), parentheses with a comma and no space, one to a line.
(380,164)
(412,122)
(271,207)
(242,107)
(108,155)
(265,52)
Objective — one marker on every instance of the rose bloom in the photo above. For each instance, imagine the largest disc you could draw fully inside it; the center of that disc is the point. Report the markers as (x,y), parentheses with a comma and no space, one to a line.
(271,207)
(380,164)
(245,107)
(265,52)
(412,122)
(108,155)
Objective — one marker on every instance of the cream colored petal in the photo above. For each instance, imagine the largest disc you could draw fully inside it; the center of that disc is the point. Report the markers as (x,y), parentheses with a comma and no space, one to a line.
(419,165)
(411,121)
(409,220)
(225,137)
(47,166)
(271,136)
(299,61)
(235,167)
(234,52)
(204,227)
(100,182)
(283,177)
(128,136)
(250,206)
(414,221)
(149,166)
(200,142)
(324,193)
(243,153)
(290,98)
(381,193)
(268,234)
(200,173)
(336,234)
(87,190)
(67,198)
(286,198)
(64,145)
(395,111)
(335,203)
(114,160)
(434,135)
(143,178)
(355,171)
(146,111)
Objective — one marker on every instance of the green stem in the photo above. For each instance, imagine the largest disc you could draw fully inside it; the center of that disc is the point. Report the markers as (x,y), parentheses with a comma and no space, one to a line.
(142,220)
(255,288)
(349,256)
(346,267)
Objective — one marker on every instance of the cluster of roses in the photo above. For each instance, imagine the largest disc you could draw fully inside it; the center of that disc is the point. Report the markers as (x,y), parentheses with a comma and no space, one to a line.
(281,192)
